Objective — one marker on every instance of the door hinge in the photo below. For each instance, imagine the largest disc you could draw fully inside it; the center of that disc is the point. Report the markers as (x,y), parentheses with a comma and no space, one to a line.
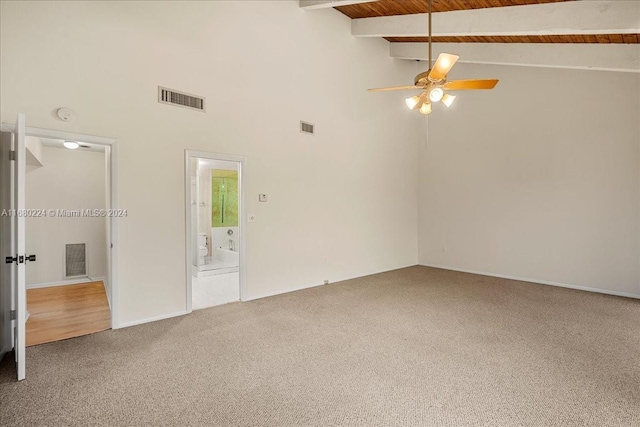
(12,315)
(12,155)
(19,259)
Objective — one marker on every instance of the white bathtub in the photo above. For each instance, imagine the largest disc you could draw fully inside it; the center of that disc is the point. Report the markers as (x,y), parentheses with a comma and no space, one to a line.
(222,261)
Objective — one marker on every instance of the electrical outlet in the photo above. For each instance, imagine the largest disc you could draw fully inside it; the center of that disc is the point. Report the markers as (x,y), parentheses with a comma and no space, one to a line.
(326,282)
(262,197)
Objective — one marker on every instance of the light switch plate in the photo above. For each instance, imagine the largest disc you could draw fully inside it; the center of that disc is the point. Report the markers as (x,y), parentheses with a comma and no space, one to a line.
(251,217)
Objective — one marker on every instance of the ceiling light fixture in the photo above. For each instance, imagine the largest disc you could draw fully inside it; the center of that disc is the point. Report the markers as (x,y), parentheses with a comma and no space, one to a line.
(426,108)
(448,99)
(71,145)
(412,102)
(436,94)
(433,82)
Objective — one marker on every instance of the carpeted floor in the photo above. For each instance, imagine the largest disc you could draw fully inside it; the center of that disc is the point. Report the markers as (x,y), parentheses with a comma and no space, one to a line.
(412,347)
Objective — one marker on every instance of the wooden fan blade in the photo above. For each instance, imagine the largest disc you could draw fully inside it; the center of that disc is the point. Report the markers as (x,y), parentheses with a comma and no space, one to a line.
(385,89)
(443,65)
(470,84)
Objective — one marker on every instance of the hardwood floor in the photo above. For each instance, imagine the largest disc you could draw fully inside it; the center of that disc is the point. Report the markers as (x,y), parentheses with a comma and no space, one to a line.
(61,312)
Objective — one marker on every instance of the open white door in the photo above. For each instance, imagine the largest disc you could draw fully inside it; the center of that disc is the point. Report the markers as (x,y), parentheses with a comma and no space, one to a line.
(19,245)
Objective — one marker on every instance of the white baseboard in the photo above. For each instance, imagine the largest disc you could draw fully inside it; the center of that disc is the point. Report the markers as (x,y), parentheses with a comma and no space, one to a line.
(151,319)
(537,281)
(281,292)
(300,288)
(66,282)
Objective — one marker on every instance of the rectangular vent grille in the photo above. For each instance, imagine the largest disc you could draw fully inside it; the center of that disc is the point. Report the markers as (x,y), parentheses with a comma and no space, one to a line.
(306,128)
(75,260)
(181,99)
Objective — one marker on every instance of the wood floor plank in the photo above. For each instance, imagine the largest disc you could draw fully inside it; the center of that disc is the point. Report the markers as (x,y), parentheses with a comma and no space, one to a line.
(61,312)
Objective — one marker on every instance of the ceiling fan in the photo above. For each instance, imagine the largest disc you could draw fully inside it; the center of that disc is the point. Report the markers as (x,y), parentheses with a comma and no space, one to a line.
(433,82)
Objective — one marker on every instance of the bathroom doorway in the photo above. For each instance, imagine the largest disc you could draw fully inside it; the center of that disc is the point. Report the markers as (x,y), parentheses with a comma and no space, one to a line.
(215,229)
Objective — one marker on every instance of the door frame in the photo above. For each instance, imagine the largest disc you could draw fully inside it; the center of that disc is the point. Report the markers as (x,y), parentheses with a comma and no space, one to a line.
(8,295)
(242,164)
(111,151)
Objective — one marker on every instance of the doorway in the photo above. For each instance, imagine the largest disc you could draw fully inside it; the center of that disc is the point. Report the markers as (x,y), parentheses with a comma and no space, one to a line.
(215,245)
(73,260)
(67,228)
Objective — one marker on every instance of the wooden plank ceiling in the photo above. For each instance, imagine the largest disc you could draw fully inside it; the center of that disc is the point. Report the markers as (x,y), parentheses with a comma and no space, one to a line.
(563,38)
(409,7)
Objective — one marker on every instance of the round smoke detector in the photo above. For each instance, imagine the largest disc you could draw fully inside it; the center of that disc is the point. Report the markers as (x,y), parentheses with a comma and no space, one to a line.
(66,115)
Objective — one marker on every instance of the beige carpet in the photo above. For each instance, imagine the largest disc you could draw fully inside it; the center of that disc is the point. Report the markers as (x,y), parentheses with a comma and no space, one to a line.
(412,347)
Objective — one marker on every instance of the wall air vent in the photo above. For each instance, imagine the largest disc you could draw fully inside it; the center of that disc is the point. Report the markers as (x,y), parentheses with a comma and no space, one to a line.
(75,260)
(181,99)
(307,128)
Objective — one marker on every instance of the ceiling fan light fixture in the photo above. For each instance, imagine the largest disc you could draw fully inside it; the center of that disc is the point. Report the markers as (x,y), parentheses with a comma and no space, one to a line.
(433,82)
(71,145)
(436,94)
(412,102)
(448,99)
(426,108)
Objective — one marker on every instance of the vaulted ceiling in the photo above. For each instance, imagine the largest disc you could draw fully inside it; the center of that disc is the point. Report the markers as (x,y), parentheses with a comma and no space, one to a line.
(589,34)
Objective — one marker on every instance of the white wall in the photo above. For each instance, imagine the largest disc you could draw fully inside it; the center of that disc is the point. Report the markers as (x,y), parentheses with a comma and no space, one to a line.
(195,187)
(33,147)
(68,180)
(204,201)
(537,179)
(337,207)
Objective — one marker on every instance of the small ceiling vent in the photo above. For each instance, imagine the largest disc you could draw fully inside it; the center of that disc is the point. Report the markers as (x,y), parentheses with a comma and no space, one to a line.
(307,128)
(181,99)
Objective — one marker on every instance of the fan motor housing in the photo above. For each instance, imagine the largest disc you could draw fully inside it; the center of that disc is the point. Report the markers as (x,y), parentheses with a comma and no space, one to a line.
(423,79)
